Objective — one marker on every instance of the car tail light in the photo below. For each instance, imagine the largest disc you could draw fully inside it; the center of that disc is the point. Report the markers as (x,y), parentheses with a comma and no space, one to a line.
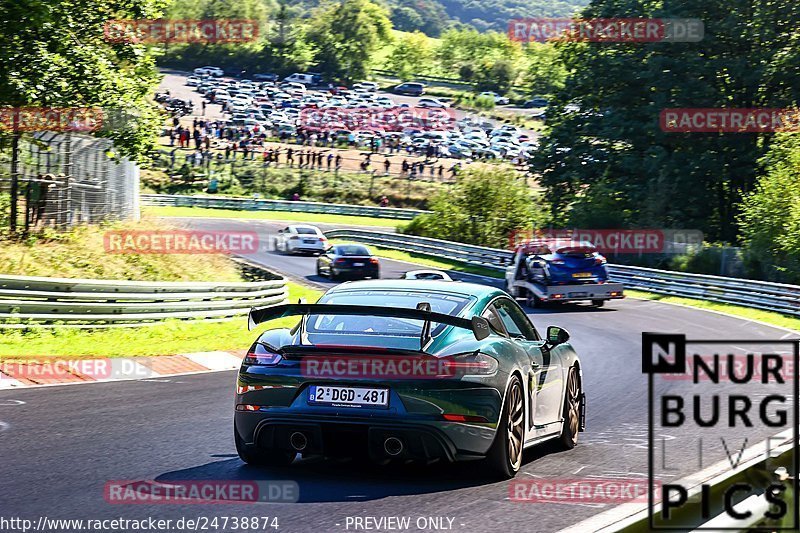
(599,260)
(373,260)
(557,262)
(340,261)
(452,417)
(323,239)
(247,407)
(262,356)
(469,364)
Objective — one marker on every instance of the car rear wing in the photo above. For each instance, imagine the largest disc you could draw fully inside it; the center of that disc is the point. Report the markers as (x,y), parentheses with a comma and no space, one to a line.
(478,325)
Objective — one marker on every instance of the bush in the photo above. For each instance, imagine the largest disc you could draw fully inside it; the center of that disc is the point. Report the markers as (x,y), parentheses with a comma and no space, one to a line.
(484,207)
(484,102)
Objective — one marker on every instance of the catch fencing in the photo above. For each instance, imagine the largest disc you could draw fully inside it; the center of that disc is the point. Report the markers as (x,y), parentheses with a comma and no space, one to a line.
(67,179)
(259,204)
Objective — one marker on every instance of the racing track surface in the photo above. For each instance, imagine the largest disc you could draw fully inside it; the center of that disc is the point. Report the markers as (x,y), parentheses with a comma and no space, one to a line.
(64,443)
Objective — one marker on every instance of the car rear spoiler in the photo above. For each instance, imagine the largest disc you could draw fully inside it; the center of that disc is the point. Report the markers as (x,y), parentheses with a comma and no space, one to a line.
(477,324)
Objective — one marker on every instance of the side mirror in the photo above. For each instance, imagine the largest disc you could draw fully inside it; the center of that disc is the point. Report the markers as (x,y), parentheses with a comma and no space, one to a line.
(556,335)
(480,327)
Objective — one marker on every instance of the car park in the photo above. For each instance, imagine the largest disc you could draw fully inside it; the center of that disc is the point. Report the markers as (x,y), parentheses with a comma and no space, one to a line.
(367,85)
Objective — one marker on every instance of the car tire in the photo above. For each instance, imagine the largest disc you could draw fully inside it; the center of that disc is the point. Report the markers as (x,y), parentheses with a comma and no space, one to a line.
(536,302)
(255,457)
(568,438)
(598,303)
(333,275)
(505,456)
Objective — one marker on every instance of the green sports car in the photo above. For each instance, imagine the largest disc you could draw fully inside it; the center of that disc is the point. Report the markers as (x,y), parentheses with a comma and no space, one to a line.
(407,370)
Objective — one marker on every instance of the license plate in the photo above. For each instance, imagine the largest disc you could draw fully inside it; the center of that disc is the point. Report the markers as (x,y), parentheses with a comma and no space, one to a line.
(582,275)
(358,264)
(348,396)
(577,294)
(310,241)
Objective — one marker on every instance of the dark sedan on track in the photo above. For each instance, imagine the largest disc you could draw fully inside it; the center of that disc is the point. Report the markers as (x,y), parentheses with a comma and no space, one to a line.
(407,370)
(353,261)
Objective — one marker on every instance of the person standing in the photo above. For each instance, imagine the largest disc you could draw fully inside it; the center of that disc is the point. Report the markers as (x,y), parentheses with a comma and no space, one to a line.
(386,166)
(203,105)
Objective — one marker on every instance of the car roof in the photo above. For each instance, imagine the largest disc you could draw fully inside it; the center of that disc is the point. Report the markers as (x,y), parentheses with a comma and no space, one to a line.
(423,285)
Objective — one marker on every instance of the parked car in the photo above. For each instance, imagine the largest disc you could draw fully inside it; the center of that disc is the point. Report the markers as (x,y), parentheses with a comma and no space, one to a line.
(209,71)
(498,100)
(352,260)
(305,79)
(368,85)
(411,89)
(261,76)
(536,102)
(434,103)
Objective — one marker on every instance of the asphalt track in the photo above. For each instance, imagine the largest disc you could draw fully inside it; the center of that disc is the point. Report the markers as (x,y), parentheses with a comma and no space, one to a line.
(64,443)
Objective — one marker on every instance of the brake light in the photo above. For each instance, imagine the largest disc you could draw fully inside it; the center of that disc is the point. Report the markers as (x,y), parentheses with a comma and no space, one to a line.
(469,364)
(247,407)
(599,260)
(340,261)
(373,260)
(464,418)
(262,356)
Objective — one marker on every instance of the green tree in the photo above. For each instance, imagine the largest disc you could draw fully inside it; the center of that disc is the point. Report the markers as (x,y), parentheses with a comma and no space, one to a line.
(346,35)
(411,55)
(484,207)
(545,73)
(55,55)
(610,136)
(498,76)
(770,215)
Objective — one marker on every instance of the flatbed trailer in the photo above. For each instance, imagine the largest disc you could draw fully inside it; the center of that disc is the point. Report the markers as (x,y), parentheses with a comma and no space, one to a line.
(537,294)
(533,288)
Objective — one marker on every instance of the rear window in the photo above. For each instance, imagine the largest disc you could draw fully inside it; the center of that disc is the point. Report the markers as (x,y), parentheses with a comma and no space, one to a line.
(306,231)
(352,250)
(394,332)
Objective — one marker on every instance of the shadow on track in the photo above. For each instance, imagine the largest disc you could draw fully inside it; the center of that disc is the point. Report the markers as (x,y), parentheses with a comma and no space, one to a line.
(326,480)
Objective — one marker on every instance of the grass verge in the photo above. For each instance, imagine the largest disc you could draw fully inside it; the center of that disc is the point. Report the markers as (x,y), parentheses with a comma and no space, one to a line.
(169,338)
(81,253)
(767,317)
(283,216)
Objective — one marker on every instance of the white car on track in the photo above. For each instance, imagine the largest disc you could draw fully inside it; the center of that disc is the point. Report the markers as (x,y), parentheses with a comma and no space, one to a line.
(427,274)
(300,238)
(208,71)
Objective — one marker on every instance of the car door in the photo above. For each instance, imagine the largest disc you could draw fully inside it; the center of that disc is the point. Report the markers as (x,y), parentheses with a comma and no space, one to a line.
(283,238)
(546,376)
(326,259)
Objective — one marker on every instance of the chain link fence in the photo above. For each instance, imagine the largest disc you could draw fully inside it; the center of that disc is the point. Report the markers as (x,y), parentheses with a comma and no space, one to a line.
(64,179)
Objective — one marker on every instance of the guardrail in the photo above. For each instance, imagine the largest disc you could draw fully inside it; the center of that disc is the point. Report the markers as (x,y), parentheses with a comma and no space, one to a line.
(260,204)
(746,293)
(37,301)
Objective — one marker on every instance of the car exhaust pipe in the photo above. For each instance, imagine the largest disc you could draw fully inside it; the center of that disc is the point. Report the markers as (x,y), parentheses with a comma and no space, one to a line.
(393,446)
(298,441)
